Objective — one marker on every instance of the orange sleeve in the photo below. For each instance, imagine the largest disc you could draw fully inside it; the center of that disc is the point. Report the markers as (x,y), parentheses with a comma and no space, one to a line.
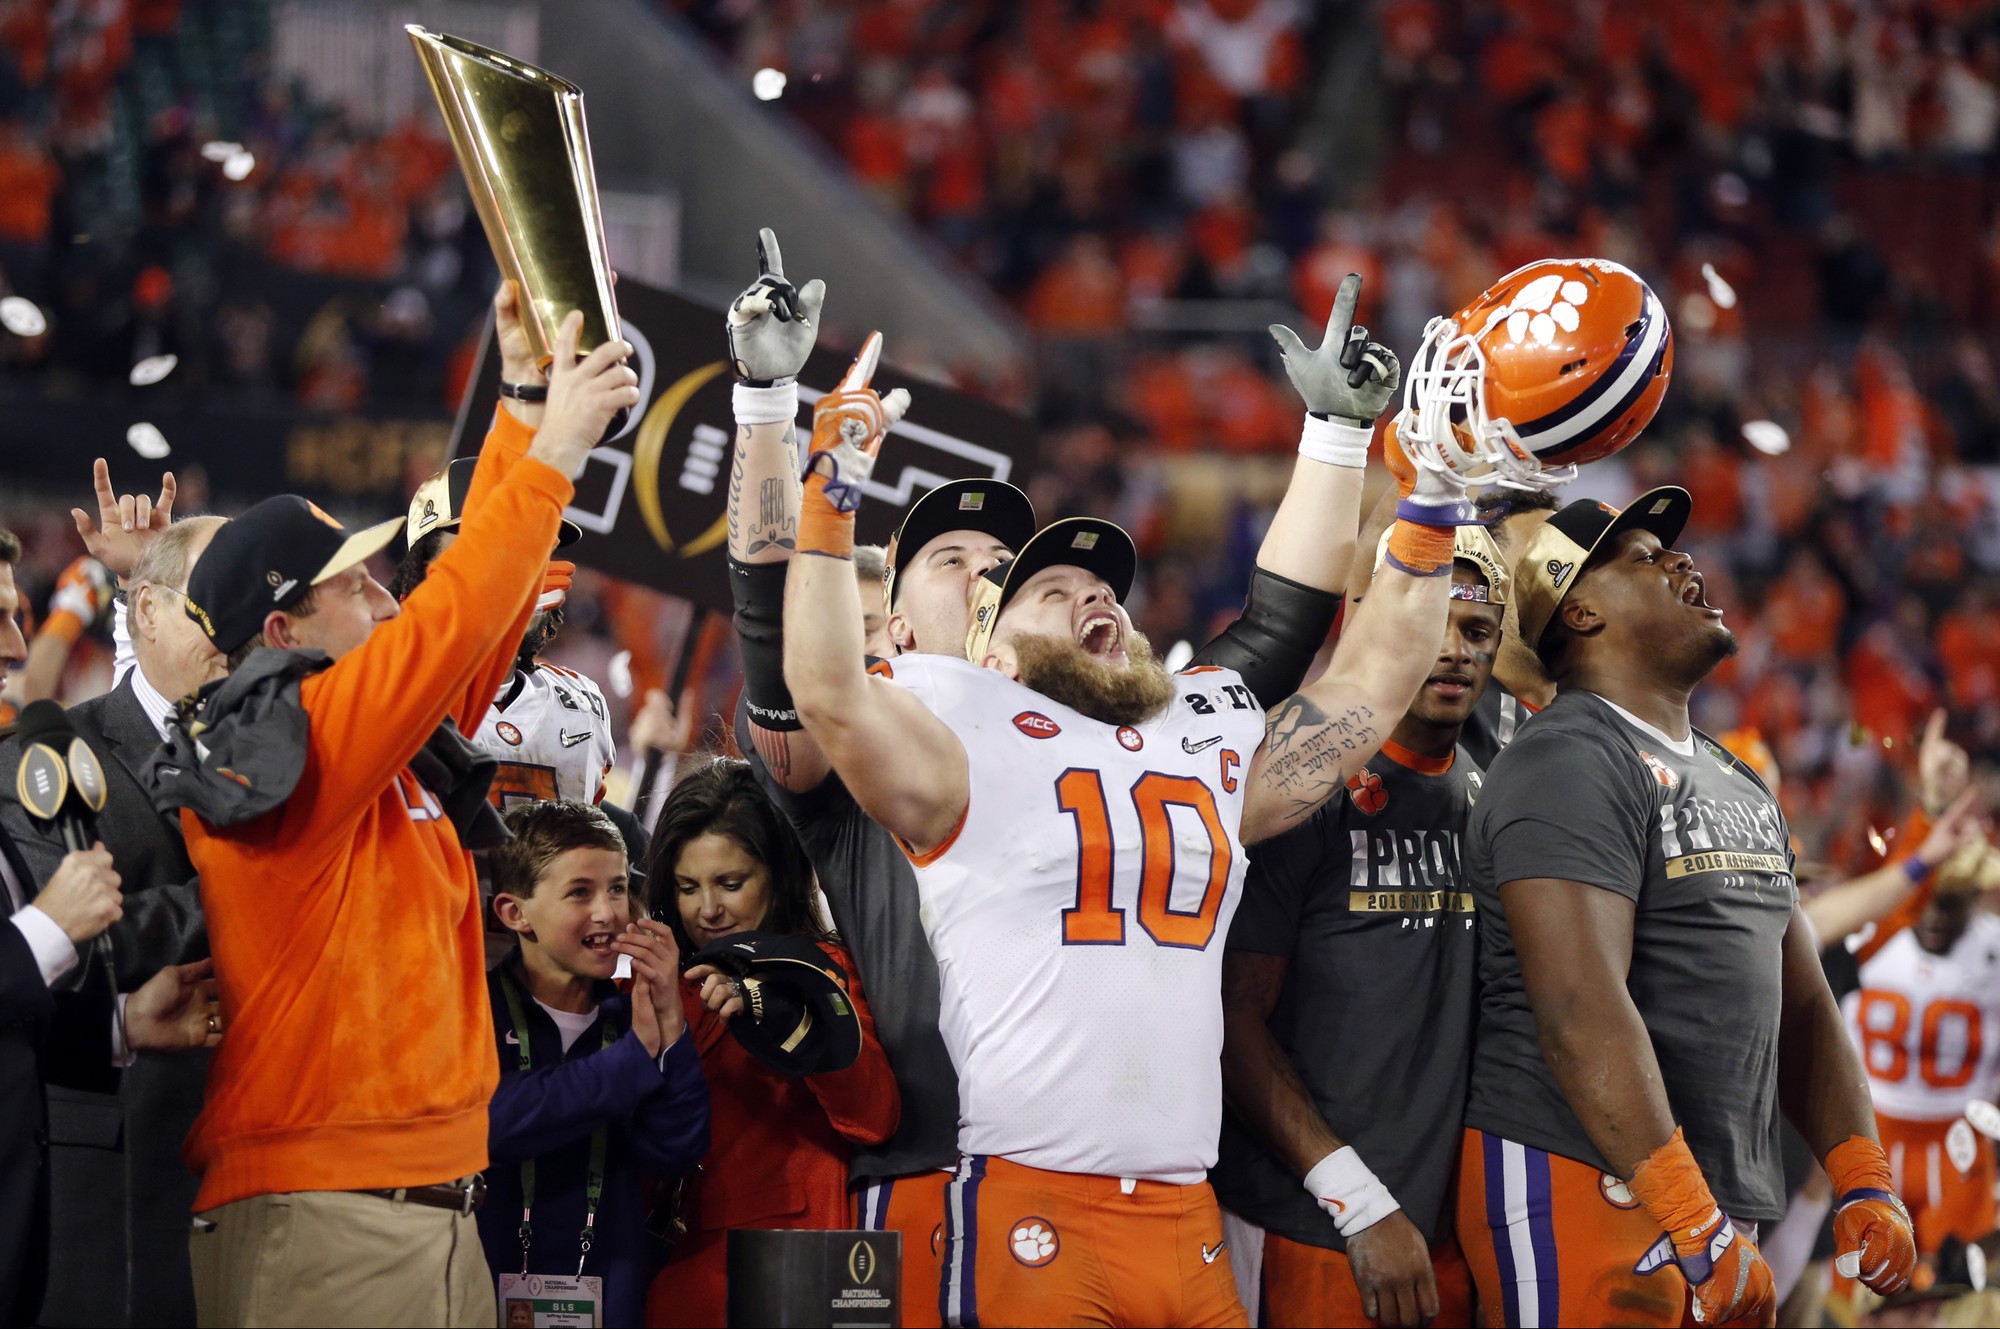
(506,444)
(862,1101)
(379,704)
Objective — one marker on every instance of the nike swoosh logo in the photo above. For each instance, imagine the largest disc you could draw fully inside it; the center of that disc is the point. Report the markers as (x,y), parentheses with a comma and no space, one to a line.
(1192,748)
(1209,1256)
(570,740)
(513,1039)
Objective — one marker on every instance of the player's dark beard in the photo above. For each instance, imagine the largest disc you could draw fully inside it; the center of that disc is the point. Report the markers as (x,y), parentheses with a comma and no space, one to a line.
(542,630)
(1063,671)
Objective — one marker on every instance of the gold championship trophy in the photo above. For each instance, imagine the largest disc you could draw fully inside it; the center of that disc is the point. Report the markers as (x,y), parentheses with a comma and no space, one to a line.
(521,142)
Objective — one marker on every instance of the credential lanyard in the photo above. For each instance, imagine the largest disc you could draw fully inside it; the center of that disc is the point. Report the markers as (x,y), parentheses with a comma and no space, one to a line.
(594,1187)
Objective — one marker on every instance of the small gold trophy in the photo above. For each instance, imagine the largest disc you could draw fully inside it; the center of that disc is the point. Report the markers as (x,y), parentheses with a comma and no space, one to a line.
(521,142)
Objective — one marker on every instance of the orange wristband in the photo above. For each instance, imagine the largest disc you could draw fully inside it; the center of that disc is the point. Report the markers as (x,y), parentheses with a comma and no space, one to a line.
(1421,551)
(823,528)
(1670,1187)
(1858,1163)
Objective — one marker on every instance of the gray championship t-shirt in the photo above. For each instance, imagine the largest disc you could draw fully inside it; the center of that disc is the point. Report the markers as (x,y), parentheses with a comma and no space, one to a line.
(1698,844)
(1493,723)
(1368,903)
(872,891)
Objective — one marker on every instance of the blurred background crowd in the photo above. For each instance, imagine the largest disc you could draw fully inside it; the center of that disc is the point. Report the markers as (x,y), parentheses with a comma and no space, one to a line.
(1810,185)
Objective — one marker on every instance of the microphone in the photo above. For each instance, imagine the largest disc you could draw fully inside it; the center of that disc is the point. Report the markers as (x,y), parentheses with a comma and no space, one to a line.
(60,781)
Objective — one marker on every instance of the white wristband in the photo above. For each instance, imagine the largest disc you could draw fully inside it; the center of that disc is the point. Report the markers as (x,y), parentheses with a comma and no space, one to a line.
(1349,1192)
(775,405)
(1334,442)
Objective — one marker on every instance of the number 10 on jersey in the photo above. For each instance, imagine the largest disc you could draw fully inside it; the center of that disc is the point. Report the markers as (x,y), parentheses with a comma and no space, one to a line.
(1093,920)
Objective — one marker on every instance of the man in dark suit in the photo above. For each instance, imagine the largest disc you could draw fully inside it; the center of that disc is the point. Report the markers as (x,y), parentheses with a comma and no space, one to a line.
(120,1193)
(71,1036)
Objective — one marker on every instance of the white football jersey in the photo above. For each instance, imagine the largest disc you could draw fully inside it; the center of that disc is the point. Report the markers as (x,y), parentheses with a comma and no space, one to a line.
(1928,1026)
(551,733)
(1078,916)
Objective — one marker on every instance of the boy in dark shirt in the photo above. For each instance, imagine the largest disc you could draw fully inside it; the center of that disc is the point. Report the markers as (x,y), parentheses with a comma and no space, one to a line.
(596,1088)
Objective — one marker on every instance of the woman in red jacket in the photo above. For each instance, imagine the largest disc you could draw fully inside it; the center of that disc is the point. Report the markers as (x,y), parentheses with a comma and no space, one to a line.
(724,859)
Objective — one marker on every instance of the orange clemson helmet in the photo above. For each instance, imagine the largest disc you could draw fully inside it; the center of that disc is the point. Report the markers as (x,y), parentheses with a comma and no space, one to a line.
(1558,363)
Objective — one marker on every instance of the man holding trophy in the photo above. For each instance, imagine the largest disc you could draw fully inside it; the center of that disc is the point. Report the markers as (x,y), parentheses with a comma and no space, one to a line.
(330,803)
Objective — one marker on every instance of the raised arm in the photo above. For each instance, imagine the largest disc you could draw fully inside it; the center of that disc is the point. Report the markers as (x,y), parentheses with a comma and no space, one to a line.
(903,765)
(771,328)
(1302,566)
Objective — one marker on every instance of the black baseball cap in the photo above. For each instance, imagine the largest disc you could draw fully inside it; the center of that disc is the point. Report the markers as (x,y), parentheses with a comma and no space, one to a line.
(439,505)
(991,506)
(800,1019)
(1099,547)
(1553,562)
(268,559)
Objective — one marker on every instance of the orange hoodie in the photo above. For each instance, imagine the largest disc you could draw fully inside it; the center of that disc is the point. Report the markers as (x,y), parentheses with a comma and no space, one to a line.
(346,924)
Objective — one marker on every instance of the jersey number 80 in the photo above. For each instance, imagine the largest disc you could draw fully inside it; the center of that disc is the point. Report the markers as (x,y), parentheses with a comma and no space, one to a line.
(1093,920)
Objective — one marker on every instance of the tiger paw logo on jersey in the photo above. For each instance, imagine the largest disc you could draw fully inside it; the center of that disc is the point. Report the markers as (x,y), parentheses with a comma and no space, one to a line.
(1662,775)
(1034,1242)
(1616,1192)
(508,732)
(1130,738)
(1365,788)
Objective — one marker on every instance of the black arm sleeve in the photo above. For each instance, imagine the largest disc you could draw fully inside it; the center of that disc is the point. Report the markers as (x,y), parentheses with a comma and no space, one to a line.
(758,590)
(1273,641)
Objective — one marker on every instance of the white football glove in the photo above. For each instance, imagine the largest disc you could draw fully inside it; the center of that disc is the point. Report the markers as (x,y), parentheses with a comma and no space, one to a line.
(1348,379)
(772,325)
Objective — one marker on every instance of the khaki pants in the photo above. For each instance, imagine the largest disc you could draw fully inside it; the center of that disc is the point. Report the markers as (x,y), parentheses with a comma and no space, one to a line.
(339,1258)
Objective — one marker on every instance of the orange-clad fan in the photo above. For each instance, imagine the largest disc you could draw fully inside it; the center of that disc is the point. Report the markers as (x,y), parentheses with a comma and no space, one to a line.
(329,805)
(724,867)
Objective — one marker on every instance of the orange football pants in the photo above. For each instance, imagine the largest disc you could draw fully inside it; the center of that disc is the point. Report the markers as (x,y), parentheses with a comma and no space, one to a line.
(1943,1200)
(1551,1241)
(914,1206)
(1303,1286)
(1023,1246)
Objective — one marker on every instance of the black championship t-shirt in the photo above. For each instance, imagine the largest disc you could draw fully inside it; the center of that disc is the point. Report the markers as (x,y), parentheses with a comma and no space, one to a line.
(1493,723)
(1698,844)
(1369,905)
(872,892)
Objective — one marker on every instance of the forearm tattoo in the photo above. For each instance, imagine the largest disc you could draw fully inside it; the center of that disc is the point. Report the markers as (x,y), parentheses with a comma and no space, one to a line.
(775,747)
(777,523)
(1307,752)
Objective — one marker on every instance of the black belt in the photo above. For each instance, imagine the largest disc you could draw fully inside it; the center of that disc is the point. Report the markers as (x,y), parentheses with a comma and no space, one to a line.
(461,1197)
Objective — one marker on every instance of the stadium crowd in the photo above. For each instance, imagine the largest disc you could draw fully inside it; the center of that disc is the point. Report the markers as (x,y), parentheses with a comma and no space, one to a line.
(1628,953)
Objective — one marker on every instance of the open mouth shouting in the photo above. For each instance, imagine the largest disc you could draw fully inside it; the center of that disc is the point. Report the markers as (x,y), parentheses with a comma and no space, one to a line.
(1102,636)
(1694,594)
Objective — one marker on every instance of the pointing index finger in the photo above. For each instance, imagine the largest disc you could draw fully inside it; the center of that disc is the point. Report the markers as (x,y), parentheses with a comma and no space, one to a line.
(1344,304)
(107,497)
(864,364)
(770,260)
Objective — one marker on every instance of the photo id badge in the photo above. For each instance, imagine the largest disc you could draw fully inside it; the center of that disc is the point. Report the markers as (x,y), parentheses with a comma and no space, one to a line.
(551,1301)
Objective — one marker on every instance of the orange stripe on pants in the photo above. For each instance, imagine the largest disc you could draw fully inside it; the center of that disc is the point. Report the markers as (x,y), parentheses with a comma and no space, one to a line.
(1306,1285)
(1029,1247)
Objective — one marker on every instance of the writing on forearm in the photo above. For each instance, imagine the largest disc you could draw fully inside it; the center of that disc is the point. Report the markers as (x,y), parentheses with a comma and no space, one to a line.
(1307,752)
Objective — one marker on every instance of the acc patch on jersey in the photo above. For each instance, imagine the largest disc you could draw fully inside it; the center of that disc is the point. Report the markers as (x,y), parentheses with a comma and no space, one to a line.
(1036,725)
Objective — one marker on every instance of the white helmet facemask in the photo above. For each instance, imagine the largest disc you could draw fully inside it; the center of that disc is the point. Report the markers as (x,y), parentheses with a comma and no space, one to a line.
(1444,415)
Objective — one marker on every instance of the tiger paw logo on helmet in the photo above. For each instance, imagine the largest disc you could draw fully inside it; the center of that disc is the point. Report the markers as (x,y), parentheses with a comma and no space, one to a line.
(1034,1242)
(1365,788)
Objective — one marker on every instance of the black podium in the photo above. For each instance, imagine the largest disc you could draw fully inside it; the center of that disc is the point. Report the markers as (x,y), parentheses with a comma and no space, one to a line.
(846,1280)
